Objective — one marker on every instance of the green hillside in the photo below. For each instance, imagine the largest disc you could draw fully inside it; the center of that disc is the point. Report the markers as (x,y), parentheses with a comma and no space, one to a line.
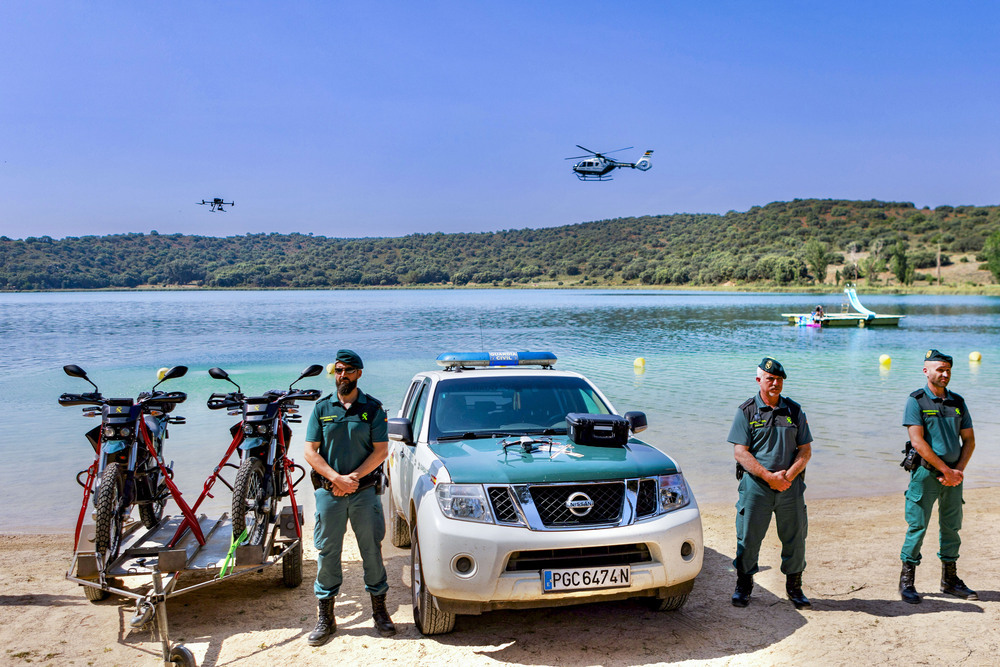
(783,243)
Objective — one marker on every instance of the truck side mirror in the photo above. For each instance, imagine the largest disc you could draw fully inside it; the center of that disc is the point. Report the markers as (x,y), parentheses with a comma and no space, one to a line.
(401,430)
(636,421)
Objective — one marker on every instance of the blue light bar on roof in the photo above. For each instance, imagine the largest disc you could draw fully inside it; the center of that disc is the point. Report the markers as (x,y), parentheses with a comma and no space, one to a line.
(472,359)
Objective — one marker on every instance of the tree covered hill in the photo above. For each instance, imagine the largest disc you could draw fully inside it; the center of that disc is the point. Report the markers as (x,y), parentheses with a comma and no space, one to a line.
(780,243)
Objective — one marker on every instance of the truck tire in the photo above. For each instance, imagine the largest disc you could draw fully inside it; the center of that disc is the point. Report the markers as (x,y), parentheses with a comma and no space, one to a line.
(426,616)
(672,603)
(399,532)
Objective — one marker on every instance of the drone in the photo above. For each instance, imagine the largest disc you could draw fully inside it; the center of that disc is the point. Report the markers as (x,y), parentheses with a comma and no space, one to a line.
(597,166)
(217,204)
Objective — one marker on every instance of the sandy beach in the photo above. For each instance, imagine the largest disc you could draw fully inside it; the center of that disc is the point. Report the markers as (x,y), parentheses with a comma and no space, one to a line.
(857,616)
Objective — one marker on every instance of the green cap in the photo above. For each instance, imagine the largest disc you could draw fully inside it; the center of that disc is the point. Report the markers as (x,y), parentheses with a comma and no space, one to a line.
(350,357)
(772,366)
(937,355)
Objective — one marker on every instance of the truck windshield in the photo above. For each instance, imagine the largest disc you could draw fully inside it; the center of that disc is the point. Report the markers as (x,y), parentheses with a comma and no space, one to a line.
(533,404)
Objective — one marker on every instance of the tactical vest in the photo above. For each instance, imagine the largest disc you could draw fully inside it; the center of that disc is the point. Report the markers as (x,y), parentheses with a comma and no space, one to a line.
(750,411)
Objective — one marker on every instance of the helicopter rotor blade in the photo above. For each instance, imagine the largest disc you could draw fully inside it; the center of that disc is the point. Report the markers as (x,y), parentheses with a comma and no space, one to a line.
(621,149)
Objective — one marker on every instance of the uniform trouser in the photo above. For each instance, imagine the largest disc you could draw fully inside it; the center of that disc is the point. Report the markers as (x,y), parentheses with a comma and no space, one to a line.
(364,509)
(756,504)
(923,491)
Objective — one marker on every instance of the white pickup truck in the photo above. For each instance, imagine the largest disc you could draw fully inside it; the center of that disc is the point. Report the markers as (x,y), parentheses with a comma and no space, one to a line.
(516,485)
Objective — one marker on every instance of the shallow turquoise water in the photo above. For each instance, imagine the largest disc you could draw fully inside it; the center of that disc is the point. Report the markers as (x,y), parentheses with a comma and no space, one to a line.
(701,351)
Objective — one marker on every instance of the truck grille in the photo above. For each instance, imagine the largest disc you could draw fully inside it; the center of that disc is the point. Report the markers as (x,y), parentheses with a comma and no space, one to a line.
(645,502)
(551,502)
(541,559)
(503,505)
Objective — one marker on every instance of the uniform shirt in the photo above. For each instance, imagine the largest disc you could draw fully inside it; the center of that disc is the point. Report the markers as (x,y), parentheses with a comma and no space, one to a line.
(346,436)
(770,435)
(942,425)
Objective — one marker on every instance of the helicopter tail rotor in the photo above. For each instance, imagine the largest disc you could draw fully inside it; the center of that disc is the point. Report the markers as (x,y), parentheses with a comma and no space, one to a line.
(645,163)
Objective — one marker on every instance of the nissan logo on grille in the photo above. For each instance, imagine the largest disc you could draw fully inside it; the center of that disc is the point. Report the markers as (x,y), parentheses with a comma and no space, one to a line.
(579,504)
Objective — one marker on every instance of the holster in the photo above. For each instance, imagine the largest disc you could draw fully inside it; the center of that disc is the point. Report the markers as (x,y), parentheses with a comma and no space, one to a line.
(740,471)
(911,459)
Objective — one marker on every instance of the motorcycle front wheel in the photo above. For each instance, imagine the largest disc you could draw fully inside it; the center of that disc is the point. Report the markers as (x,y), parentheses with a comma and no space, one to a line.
(249,501)
(110,514)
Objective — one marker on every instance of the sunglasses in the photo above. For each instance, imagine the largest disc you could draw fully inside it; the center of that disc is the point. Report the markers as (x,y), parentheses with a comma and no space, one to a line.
(345,371)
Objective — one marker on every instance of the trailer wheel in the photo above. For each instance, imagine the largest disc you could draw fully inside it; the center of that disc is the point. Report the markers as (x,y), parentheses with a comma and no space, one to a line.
(95,594)
(182,655)
(108,531)
(248,501)
(428,618)
(291,567)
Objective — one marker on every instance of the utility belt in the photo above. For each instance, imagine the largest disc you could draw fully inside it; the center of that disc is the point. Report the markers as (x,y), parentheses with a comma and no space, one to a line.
(374,478)
(912,460)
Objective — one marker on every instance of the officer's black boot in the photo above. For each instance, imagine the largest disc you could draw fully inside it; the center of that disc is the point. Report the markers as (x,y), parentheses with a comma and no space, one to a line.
(383,623)
(744,586)
(907,590)
(326,624)
(952,585)
(793,587)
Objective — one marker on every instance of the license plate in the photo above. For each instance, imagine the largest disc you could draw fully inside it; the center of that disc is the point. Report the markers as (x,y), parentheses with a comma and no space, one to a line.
(581,578)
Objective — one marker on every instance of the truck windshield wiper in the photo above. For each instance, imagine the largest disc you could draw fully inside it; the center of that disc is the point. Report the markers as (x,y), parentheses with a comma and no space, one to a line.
(473,435)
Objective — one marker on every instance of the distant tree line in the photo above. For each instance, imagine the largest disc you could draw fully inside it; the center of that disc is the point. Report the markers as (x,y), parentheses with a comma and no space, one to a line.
(782,243)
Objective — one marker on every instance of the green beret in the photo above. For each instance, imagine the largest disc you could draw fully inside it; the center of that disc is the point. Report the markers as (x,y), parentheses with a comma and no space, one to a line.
(350,357)
(772,366)
(936,355)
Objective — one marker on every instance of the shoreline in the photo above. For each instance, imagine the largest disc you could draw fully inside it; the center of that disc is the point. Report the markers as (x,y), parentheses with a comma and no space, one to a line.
(851,577)
(958,290)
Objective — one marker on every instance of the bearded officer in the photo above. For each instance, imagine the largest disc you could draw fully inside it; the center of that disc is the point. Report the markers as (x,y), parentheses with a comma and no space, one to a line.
(939,426)
(346,442)
(772,445)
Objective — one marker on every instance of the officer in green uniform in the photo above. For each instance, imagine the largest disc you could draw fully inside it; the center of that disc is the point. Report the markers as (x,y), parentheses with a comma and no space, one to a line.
(346,441)
(772,445)
(940,429)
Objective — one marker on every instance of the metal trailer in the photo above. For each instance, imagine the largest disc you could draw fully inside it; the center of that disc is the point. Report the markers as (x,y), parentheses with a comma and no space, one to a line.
(185,543)
(148,553)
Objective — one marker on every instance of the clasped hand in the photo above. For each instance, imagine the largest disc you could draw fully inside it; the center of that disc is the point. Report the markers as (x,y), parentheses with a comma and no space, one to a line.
(778,481)
(951,477)
(344,485)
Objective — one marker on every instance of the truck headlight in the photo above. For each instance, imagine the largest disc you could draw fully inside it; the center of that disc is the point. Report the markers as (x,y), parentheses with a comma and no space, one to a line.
(673,493)
(466,502)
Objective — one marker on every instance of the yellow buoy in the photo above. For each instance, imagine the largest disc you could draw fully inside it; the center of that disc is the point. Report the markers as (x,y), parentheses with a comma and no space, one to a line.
(885,360)
(640,362)
(330,368)
(975,356)
(160,373)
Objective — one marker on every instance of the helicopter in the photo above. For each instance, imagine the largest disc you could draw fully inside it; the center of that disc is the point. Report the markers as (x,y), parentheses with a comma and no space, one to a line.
(596,166)
(217,204)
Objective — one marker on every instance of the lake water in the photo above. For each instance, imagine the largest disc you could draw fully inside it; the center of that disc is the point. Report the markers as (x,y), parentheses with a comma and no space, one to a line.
(701,350)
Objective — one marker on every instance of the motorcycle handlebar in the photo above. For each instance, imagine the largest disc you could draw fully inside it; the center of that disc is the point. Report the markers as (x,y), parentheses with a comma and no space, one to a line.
(219,401)
(81,399)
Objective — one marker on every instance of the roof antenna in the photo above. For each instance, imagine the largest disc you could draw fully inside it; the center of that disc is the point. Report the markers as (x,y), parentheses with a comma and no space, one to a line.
(482,343)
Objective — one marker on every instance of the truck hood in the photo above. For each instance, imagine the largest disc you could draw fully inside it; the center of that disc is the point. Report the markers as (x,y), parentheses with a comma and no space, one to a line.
(483,461)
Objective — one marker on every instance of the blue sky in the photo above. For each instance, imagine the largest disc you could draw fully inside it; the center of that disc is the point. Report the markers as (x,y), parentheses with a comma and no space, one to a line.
(389,118)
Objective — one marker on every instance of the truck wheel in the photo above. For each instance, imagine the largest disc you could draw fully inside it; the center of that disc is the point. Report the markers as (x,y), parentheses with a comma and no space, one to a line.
(399,532)
(428,618)
(291,567)
(672,603)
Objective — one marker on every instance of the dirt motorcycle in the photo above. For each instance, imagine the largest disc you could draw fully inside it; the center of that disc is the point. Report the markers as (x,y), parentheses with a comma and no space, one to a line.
(265,472)
(128,465)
